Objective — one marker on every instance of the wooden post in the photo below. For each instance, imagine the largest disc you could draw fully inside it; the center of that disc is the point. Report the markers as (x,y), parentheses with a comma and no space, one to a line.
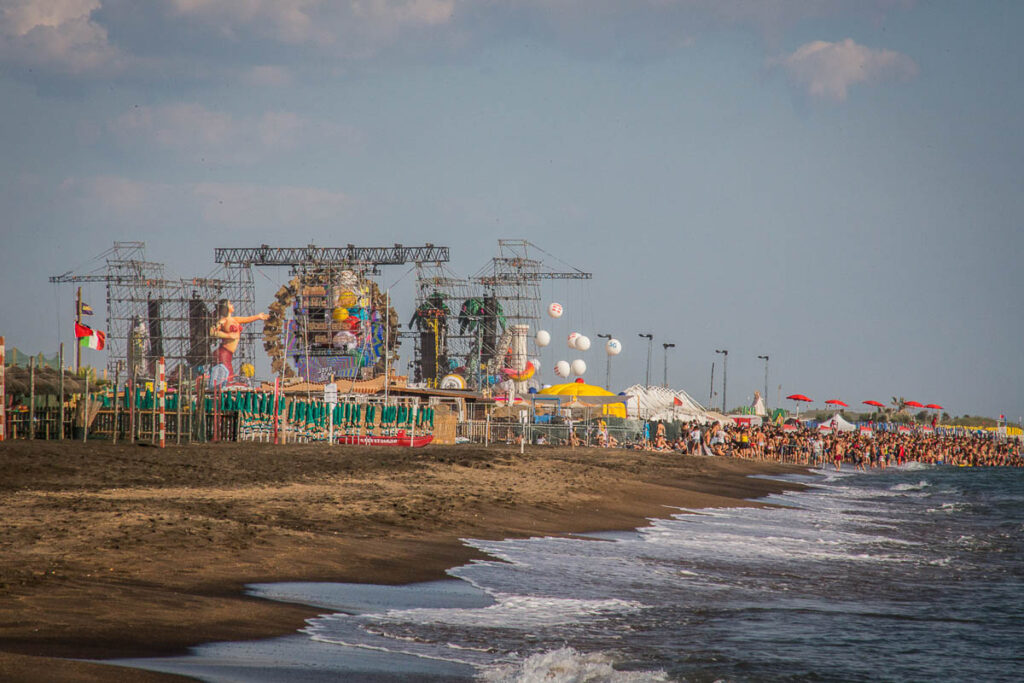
(60,390)
(78,320)
(131,405)
(277,388)
(161,397)
(216,414)
(178,412)
(32,397)
(117,404)
(85,412)
(153,414)
(3,390)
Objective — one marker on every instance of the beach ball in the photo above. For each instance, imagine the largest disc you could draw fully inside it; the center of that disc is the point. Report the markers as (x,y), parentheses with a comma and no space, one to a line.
(579,367)
(562,368)
(339,314)
(248,370)
(348,299)
(582,342)
(571,339)
(543,338)
(555,310)
(613,347)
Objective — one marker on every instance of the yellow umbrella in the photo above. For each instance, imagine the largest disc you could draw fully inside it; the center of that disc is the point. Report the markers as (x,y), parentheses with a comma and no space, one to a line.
(580,392)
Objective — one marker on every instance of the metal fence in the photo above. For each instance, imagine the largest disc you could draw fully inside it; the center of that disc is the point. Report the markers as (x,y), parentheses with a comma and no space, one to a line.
(587,433)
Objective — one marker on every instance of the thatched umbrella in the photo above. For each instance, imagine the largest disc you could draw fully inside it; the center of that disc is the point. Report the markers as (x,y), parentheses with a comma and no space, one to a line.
(47,381)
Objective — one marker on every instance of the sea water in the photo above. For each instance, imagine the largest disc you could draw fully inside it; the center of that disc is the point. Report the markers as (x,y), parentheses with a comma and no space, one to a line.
(911,573)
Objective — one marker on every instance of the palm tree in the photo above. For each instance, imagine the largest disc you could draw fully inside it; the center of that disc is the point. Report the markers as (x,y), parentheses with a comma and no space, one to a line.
(899,403)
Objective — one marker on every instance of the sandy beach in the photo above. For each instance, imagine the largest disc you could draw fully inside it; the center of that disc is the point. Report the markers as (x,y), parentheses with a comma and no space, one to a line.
(127,551)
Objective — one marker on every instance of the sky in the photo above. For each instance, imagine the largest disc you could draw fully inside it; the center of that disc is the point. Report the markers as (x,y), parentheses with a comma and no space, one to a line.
(835,184)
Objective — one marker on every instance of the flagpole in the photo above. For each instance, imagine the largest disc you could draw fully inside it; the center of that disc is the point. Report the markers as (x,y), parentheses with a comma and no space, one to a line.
(78,319)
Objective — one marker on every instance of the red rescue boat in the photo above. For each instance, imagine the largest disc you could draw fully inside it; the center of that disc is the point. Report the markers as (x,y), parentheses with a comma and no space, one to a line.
(402,440)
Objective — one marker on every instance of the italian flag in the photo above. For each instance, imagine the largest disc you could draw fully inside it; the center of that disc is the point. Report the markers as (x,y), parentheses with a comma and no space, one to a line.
(89,338)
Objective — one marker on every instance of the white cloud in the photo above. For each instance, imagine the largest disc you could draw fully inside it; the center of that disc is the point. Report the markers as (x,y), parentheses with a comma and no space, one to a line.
(201,134)
(243,205)
(266,75)
(211,206)
(58,36)
(827,70)
(287,21)
(405,12)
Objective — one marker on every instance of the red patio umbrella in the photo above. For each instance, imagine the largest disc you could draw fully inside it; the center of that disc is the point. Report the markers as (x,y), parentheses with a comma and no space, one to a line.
(914,404)
(934,406)
(873,403)
(799,397)
(836,402)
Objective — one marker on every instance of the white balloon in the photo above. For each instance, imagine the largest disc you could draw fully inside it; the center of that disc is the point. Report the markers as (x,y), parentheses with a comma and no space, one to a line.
(535,362)
(543,338)
(613,347)
(555,310)
(571,339)
(562,368)
(582,342)
(579,367)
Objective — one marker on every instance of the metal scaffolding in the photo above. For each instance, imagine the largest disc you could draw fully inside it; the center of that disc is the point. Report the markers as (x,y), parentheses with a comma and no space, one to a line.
(467,333)
(302,328)
(150,315)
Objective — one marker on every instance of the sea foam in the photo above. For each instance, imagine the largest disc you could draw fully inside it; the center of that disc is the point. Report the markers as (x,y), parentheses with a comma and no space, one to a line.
(566,665)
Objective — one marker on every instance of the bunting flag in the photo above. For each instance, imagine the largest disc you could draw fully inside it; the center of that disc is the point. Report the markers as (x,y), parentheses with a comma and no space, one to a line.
(89,338)
(86,309)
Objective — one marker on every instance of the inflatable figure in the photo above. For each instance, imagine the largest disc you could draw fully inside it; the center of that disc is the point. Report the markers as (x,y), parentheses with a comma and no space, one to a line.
(228,329)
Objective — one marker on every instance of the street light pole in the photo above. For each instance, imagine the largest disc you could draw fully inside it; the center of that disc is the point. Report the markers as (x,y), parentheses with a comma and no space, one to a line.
(765,359)
(664,379)
(650,343)
(725,377)
(607,364)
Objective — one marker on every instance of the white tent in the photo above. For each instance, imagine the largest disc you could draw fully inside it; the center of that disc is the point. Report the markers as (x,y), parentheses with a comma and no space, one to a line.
(659,403)
(836,423)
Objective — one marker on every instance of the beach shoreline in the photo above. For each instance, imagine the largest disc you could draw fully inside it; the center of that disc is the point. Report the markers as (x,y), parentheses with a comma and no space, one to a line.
(132,551)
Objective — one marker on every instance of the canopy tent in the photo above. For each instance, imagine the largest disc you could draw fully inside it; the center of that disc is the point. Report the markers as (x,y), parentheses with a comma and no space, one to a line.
(588,395)
(838,422)
(659,403)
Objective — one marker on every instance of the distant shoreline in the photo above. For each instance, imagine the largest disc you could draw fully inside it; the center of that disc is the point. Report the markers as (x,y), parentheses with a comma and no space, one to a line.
(131,551)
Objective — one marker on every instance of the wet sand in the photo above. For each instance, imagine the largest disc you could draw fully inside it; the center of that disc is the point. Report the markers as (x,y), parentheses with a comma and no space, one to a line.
(128,551)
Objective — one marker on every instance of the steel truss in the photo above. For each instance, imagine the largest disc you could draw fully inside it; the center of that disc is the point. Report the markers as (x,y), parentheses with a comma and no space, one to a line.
(150,315)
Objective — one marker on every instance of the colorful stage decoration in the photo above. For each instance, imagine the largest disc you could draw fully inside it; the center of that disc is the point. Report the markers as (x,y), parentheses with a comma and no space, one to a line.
(329,323)
(453,381)
(521,376)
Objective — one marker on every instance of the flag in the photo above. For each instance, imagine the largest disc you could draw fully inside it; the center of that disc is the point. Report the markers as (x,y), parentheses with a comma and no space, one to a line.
(676,401)
(89,338)
(86,309)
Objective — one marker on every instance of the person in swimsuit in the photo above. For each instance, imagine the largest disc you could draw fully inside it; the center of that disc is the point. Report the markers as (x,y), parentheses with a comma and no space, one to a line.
(228,329)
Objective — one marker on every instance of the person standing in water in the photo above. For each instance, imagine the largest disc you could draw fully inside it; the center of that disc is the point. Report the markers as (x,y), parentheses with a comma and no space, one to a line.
(228,329)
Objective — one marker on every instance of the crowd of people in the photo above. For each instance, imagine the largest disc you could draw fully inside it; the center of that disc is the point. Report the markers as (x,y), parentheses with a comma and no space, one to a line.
(820,448)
